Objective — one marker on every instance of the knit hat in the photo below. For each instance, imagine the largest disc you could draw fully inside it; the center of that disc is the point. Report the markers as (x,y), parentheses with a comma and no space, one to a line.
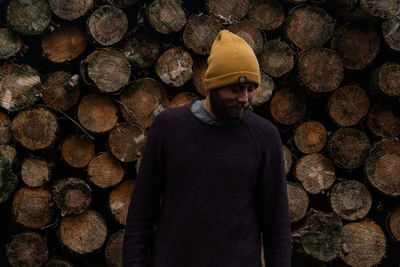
(231,61)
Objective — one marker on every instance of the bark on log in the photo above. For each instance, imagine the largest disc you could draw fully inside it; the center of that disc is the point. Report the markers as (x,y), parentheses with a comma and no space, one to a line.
(35,128)
(70,9)
(35,172)
(322,235)
(393,224)
(250,33)
(97,113)
(200,32)
(10,43)
(56,262)
(61,90)
(310,137)
(288,106)
(348,148)
(199,71)
(364,244)
(228,11)
(5,128)
(28,17)
(348,105)
(77,150)
(309,26)
(264,91)
(107,25)
(113,251)
(108,69)
(72,196)
(321,70)
(142,101)
(384,9)
(166,16)
(174,66)
(119,200)
(126,142)
(83,233)
(105,171)
(123,3)
(382,167)
(391,32)
(384,119)
(64,44)
(357,44)
(27,249)
(267,16)
(141,47)
(32,207)
(298,202)
(19,86)
(315,172)
(8,179)
(386,79)
(287,158)
(277,58)
(183,98)
(350,199)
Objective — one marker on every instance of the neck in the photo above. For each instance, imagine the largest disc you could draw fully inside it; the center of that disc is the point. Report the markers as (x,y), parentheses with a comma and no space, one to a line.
(207,106)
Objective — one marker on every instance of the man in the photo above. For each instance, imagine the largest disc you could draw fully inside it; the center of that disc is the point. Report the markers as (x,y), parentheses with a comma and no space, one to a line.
(219,168)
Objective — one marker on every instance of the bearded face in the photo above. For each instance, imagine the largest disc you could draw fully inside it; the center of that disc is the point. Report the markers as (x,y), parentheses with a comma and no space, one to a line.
(231,102)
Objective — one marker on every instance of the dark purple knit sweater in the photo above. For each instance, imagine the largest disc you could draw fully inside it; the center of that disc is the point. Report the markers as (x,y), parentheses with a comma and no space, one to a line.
(222,185)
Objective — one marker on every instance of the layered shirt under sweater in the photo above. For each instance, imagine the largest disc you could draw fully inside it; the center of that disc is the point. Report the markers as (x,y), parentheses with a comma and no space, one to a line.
(222,183)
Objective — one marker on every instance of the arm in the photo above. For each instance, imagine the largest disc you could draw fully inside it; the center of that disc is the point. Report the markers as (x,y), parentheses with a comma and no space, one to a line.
(272,202)
(145,202)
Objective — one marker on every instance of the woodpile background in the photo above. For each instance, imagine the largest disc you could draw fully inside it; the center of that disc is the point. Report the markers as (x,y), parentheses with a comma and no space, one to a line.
(82,80)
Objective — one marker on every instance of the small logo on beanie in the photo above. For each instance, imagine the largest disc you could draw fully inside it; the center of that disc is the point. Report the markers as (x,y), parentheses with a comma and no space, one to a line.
(242,79)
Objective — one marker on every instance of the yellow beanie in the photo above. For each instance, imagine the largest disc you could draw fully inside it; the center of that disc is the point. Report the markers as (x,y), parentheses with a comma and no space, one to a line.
(231,58)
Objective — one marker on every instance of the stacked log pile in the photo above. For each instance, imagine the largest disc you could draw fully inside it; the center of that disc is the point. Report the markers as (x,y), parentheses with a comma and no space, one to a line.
(81,82)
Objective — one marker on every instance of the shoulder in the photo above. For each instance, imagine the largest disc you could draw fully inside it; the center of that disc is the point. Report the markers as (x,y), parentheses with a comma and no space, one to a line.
(260,124)
(170,116)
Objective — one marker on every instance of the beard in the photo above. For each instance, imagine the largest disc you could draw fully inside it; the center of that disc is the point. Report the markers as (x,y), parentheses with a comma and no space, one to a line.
(224,110)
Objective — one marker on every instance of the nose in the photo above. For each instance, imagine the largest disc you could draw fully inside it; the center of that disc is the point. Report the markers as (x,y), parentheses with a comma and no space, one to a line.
(243,96)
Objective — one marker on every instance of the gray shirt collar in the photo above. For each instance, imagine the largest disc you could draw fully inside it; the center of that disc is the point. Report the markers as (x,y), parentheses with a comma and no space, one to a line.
(200,112)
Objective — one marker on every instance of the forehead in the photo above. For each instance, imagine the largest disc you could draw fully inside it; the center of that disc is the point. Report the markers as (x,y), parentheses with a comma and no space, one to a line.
(240,86)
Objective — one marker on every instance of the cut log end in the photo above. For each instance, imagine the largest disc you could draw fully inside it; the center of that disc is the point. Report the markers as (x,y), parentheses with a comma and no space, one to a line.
(70,9)
(351,200)
(119,200)
(113,251)
(316,173)
(77,150)
(105,171)
(35,172)
(348,148)
(83,233)
(348,105)
(310,137)
(97,113)
(288,106)
(32,207)
(298,202)
(27,249)
(73,196)
(107,25)
(365,244)
(126,142)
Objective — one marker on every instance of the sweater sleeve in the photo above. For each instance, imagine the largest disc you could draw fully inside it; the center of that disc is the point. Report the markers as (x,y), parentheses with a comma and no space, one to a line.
(145,201)
(272,202)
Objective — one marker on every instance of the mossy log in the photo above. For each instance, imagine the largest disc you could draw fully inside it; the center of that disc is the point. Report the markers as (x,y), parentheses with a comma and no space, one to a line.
(11,43)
